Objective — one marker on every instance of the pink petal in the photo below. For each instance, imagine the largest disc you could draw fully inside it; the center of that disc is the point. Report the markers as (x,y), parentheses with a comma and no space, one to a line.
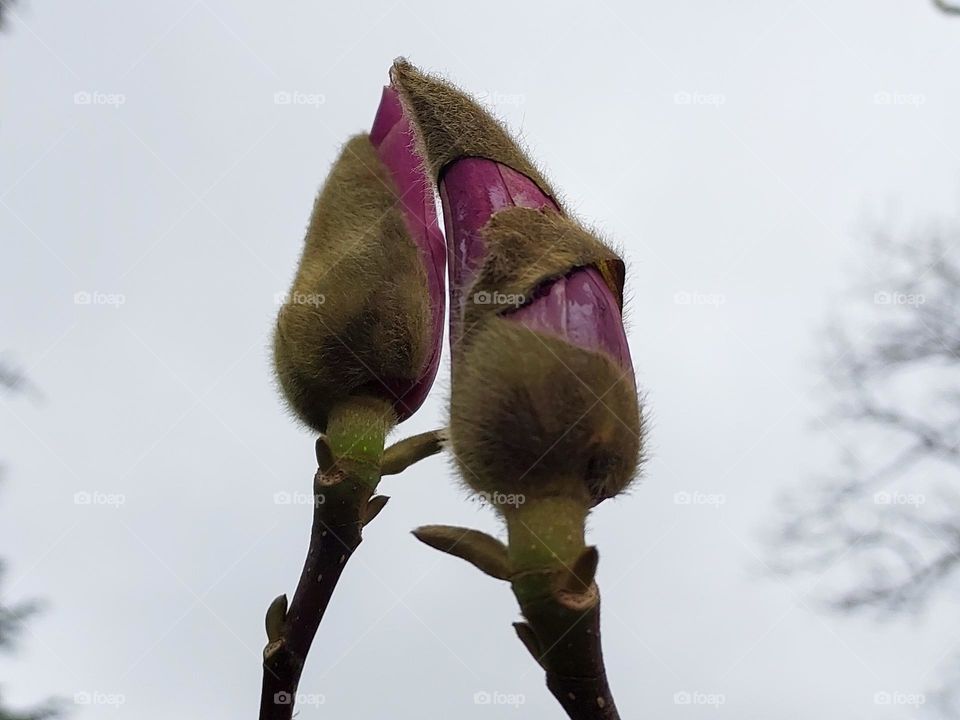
(393,139)
(581,309)
(472,190)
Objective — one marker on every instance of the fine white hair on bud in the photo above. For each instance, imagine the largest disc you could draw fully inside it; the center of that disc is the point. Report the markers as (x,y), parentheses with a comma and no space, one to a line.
(357,319)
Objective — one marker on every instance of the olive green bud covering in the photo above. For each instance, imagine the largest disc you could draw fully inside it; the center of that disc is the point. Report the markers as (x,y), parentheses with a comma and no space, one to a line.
(357,320)
(452,125)
(533,415)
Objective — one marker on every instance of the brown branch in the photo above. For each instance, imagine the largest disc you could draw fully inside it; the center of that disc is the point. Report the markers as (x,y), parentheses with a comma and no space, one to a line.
(349,459)
(554,582)
(562,632)
(552,575)
(342,505)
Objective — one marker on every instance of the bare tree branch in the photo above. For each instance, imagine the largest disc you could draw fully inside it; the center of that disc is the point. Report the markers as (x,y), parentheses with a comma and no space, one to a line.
(351,460)
(946,7)
(883,532)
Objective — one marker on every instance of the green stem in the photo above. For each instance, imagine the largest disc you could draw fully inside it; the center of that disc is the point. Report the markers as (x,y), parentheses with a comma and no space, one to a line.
(549,559)
(356,432)
(545,533)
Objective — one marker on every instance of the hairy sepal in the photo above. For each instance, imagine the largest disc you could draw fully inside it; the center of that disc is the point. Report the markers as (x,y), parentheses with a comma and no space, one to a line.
(357,319)
(532,415)
(451,125)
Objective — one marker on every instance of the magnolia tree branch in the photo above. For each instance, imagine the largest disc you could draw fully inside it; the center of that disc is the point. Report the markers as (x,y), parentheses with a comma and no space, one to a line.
(562,632)
(341,506)
(349,468)
(552,576)
(553,581)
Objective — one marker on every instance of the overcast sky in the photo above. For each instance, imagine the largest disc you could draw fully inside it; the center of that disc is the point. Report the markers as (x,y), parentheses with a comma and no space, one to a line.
(732,149)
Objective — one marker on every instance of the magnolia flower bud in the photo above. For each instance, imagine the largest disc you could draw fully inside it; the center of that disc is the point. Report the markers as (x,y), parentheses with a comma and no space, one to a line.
(543,401)
(364,316)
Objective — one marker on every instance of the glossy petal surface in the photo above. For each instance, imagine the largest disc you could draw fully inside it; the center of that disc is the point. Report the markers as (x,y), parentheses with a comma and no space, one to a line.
(581,309)
(393,139)
(472,190)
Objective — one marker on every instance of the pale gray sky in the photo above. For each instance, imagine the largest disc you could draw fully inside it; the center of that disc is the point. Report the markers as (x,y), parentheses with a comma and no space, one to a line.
(732,149)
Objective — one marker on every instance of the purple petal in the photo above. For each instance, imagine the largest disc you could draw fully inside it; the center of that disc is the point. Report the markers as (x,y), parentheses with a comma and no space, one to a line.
(581,309)
(393,139)
(472,190)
